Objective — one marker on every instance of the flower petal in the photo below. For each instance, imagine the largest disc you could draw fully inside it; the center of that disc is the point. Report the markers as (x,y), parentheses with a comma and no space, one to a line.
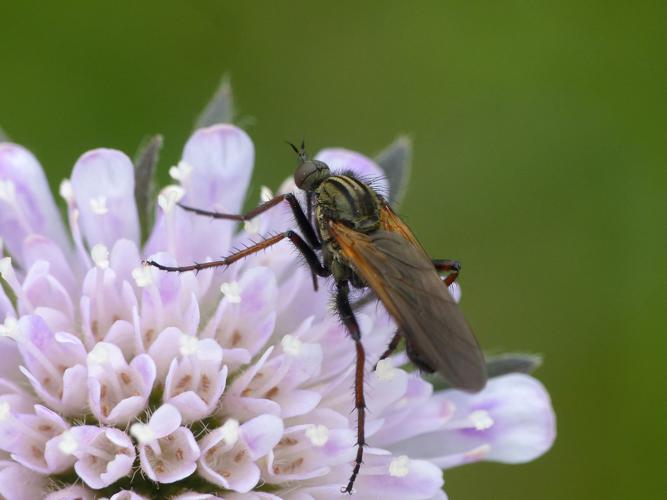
(127,495)
(220,160)
(171,458)
(510,421)
(37,247)
(104,455)
(165,420)
(11,359)
(71,493)
(418,479)
(103,185)
(117,392)
(261,434)
(19,483)
(26,203)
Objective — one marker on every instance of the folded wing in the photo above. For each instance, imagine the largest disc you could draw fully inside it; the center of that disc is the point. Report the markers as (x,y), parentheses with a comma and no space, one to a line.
(403,277)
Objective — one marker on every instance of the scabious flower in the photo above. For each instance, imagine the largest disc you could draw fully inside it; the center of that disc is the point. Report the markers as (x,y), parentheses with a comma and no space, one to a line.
(121,381)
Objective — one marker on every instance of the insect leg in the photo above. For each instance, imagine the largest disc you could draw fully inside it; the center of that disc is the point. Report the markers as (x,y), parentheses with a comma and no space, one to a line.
(448,265)
(306,251)
(303,222)
(390,348)
(309,219)
(350,322)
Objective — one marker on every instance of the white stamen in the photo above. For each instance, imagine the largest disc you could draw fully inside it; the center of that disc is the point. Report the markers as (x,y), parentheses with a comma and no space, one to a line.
(66,191)
(318,435)
(455,291)
(399,466)
(231,290)
(169,196)
(100,355)
(9,328)
(253,226)
(68,443)
(188,345)
(142,433)
(5,267)
(180,172)
(291,345)
(5,411)
(7,191)
(143,276)
(99,205)
(265,194)
(100,256)
(481,420)
(230,431)
(385,370)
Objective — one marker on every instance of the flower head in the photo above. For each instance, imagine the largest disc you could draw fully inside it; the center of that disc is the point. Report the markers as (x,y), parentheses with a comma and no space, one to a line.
(119,379)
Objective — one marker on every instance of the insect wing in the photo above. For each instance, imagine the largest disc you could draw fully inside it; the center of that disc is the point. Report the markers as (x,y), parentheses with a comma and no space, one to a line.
(404,279)
(392,222)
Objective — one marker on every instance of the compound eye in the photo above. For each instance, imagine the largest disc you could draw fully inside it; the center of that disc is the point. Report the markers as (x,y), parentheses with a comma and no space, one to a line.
(303,171)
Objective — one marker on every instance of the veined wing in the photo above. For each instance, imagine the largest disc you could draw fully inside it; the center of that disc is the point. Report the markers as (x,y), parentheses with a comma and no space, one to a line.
(403,277)
(389,221)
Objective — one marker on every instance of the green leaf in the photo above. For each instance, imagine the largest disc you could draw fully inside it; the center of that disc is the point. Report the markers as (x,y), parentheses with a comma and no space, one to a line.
(145,162)
(220,108)
(497,366)
(396,161)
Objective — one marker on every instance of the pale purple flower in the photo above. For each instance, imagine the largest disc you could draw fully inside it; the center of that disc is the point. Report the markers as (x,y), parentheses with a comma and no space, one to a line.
(120,379)
(167,450)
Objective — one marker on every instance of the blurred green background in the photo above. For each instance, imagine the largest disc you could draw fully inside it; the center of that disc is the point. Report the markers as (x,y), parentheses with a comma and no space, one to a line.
(539,133)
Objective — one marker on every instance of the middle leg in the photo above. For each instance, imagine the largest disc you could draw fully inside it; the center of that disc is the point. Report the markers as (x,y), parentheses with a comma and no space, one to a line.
(453,267)
(393,344)
(306,251)
(303,221)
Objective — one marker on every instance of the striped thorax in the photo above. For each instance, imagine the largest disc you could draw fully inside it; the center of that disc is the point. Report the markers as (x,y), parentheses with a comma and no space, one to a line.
(344,198)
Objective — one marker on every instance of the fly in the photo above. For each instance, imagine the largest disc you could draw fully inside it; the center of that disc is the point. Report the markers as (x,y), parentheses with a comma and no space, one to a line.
(357,239)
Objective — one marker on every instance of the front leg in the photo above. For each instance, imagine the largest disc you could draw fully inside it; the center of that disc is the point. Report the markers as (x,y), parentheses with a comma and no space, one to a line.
(301,219)
(350,321)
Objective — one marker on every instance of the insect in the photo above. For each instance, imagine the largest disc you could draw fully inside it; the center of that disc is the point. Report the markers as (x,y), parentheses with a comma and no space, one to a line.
(362,243)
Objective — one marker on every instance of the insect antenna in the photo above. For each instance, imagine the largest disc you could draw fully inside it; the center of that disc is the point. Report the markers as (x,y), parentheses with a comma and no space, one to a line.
(300,152)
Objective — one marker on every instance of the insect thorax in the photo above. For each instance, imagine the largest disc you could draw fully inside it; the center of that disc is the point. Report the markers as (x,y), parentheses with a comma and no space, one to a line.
(346,199)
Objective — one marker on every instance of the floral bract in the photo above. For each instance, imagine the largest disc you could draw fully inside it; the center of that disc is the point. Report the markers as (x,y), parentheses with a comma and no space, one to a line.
(121,381)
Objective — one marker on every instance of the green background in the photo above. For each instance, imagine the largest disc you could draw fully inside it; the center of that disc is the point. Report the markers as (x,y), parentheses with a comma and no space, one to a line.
(539,133)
